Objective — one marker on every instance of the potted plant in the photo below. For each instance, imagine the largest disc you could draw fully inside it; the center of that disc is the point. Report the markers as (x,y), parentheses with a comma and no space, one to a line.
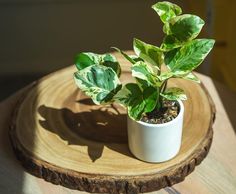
(155,111)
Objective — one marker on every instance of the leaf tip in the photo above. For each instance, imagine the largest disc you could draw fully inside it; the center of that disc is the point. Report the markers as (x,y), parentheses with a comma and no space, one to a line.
(115,48)
(154,6)
(212,41)
(135,40)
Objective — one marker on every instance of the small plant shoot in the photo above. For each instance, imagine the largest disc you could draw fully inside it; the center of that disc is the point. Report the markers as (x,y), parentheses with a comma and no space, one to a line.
(180,51)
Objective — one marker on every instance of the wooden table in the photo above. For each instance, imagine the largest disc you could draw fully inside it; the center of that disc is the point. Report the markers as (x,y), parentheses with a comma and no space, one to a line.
(216,174)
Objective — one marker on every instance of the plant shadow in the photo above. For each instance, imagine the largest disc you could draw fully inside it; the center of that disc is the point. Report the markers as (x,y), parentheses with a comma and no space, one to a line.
(101,127)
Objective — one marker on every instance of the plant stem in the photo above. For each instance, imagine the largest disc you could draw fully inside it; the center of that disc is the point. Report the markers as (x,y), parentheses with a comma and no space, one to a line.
(162,89)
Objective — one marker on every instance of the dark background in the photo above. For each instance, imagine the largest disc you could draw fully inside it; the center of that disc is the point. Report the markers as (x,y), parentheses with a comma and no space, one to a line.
(41,36)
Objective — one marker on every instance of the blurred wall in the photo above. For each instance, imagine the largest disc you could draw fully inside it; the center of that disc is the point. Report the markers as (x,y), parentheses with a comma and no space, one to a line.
(224,30)
(44,35)
(41,36)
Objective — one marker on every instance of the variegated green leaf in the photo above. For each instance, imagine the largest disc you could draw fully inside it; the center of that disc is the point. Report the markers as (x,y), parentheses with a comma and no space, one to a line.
(143,71)
(166,10)
(137,100)
(86,59)
(177,37)
(178,74)
(185,27)
(192,77)
(150,96)
(109,60)
(131,96)
(136,110)
(174,94)
(189,56)
(128,93)
(98,82)
(172,74)
(170,42)
(165,75)
(83,60)
(125,55)
(131,58)
(142,83)
(148,52)
(136,58)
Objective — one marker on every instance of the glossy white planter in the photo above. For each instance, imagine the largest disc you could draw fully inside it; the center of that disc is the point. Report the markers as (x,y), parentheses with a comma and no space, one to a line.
(156,142)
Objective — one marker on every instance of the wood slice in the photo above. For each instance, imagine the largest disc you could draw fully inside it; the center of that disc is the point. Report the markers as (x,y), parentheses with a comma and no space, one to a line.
(58,134)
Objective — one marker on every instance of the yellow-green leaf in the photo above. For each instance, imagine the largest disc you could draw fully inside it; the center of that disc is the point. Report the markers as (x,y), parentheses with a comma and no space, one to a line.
(86,59)
(138,100)
(98,82)
(148,52)
(174,94)
(143,71)
(166,10)
(189,56)
(185,27)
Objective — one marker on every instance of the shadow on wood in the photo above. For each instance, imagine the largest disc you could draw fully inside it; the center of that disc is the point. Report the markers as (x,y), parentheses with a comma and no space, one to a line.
(100,125)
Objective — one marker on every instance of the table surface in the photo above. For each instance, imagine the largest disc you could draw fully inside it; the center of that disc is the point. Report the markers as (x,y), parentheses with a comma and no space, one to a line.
(216,174)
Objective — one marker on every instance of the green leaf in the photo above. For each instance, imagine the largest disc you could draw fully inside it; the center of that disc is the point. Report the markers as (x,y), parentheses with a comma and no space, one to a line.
(98,82)
(128,93)
(185,27)
(137,100)
(131,58)
(178,74)
(150,96)
(125,55)
(148,53)
(189,56)
(109,60)
(166,10)
(192,77)
(136,104)
(172,74)
(131,97)
(180,30)
(83,60)
(174,94)
(136,110)
(142,83)
(143,71)
(136,58)
(86,59)
(165,75)
(170,42)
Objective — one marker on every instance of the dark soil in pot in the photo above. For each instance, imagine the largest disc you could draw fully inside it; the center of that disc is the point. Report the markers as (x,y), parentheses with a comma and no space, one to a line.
(167,113)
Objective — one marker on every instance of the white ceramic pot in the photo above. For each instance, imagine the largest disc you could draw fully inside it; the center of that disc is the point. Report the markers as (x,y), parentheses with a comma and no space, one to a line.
(156,142)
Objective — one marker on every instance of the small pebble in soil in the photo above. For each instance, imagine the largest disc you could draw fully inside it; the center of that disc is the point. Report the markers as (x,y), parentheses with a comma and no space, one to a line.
(167,113)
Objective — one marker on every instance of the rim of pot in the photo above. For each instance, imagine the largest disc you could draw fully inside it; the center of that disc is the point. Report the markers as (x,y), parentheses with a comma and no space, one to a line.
(168,123)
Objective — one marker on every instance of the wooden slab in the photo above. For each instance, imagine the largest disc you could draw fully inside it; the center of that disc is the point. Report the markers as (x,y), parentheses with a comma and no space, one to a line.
(58,134)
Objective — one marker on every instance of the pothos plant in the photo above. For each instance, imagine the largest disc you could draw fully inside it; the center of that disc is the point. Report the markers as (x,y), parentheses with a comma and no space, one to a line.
(180,51)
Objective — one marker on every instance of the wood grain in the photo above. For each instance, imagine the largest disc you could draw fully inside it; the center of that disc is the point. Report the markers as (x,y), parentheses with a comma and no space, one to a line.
(59,135)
